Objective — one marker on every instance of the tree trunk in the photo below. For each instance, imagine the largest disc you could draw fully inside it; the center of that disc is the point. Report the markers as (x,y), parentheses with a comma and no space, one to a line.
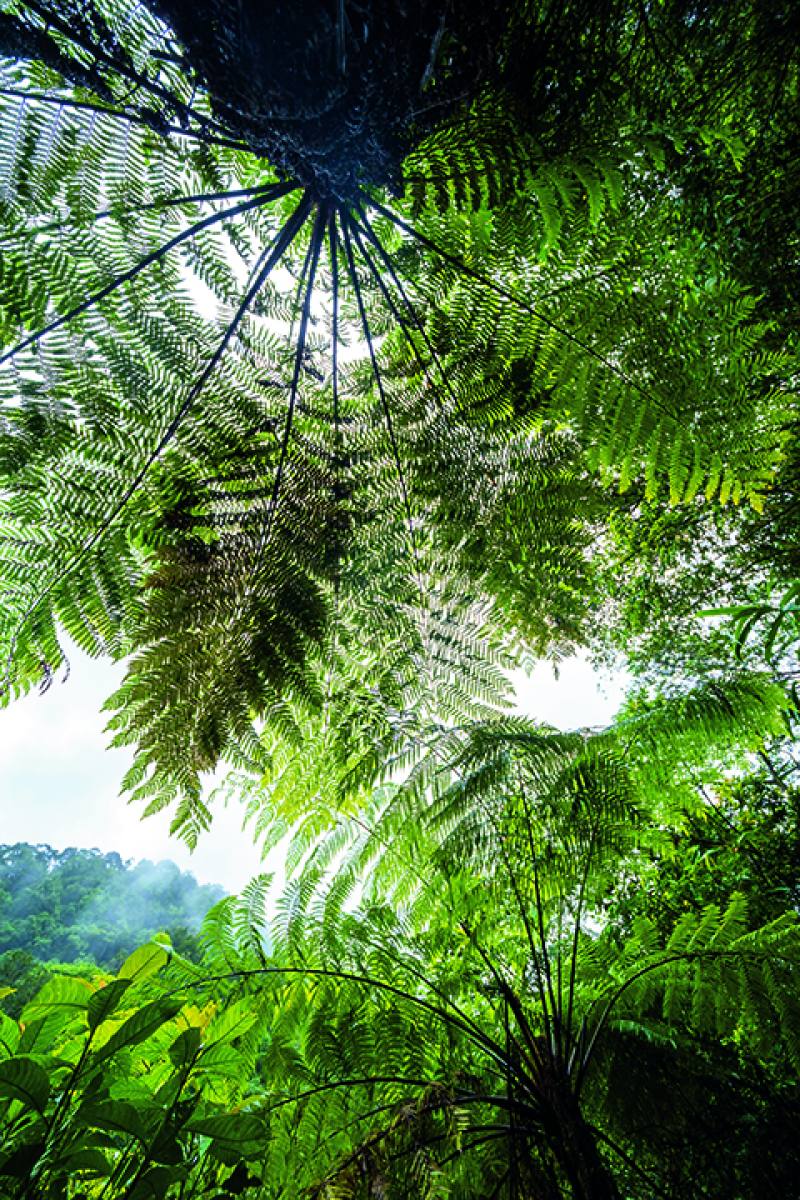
(574,1146)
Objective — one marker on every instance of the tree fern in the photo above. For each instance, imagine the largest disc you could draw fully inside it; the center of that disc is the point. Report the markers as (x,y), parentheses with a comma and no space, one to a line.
(511,1015)
(137,153)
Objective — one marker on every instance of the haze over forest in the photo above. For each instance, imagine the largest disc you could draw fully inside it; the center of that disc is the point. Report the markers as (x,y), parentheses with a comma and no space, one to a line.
(79,905)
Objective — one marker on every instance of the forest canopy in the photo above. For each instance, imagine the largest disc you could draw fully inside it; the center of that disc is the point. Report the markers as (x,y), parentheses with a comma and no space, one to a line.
(81,905)
(353,352)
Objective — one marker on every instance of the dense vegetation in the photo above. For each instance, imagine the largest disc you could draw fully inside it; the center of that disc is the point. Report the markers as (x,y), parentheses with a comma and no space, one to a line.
(353,355)
(72,906)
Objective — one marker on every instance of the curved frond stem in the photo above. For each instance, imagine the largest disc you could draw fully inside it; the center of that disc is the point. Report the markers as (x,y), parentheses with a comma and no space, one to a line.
(387,261)
(409,864)
(337,428)
(357,1081)
(341,38)
(121,212)
(356,228)
(555,1004)
(500,981)
(155,123)
(334,257)
(298,304)
(576,932)
(616,993)
(468,1022)
(269,258)
(472,1031)
(511,1130)
(337,454)
(554,1001)
(489,1133)
(629,1161)
(378,1110)
(382,1135)
(510,999)
(385,405)
(309,269)
(456,1101)
(121,68)
(541,970)
(507,294)
(275,192)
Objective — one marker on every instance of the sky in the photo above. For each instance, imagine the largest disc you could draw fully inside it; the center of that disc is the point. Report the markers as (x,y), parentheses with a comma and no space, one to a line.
(59,783)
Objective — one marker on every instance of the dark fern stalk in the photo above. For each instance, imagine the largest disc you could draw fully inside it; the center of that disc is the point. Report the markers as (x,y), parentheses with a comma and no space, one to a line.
(269,259)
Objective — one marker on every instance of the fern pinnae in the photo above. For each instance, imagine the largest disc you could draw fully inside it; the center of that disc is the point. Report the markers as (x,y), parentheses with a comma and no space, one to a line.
(148,260)
(145,118)
(118,65)
(414,547)
(270,256)
(312,259)
(507,294)
(121,212)
(363,223)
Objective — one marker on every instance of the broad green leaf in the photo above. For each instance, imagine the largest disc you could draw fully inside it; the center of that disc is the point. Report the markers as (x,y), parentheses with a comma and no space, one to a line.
(231,1129)
(144,962)
(9,1034)
(234,1020)
(61,993)
(156,1182)
(185,1047)
(105,1001)
(90,1160)
(25,1080)
(166,1148)
(38,1034)
(133,1091)
(20,1161)
(115,1115)
(225,1061)
(144,1022)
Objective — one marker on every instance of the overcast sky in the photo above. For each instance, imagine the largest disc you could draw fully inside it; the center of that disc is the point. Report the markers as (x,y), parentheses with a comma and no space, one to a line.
(60,784)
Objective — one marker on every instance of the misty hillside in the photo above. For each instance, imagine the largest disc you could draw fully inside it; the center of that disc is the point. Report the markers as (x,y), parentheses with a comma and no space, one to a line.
(82,905)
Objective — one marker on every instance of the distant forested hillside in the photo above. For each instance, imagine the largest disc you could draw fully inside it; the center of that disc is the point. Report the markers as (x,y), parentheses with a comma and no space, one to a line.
(82,905)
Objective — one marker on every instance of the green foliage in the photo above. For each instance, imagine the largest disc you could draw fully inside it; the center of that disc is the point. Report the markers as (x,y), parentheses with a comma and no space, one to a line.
(519,1015)
(84,906)
(347,360)
(119,1087)
(428,427)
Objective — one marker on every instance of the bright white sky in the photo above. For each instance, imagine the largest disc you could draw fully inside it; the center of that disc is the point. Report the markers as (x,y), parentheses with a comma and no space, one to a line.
(60,784)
